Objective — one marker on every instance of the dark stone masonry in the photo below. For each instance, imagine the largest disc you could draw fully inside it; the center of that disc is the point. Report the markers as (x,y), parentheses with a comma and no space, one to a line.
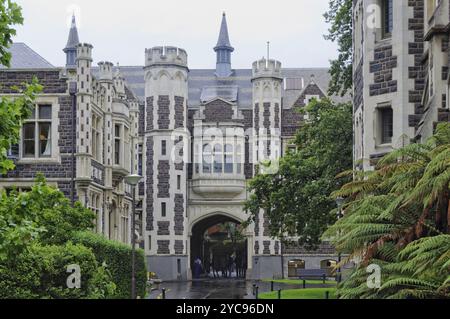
(382,65)
(163,112)
(163,179)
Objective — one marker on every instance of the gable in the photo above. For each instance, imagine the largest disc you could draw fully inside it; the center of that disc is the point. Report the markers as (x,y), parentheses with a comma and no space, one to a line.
(312,90)
(218,110)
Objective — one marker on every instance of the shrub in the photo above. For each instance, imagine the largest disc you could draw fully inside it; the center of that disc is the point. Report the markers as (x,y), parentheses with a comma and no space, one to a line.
(117,257)
(41,272)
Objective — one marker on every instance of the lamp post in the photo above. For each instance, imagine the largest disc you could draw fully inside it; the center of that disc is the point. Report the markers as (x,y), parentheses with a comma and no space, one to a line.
(133,180)
(339,202)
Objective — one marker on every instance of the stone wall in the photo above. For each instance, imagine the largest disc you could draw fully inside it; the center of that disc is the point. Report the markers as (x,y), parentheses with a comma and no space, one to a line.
(381,66)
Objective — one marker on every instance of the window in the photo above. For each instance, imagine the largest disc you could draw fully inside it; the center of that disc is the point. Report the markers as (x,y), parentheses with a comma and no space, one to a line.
(207,159)
(163,209)
(163,148)
(239,159)
(117,144)
(140,159)
(178,182)
(218,162)
(37,132)
(387,18)
(228,159)
(96,139)
(386,116)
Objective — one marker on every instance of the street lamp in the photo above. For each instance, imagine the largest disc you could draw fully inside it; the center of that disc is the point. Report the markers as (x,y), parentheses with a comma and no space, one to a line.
(339,203)
(133,180)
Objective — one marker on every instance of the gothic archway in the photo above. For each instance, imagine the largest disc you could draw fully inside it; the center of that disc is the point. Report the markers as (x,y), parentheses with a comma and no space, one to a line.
(219,243)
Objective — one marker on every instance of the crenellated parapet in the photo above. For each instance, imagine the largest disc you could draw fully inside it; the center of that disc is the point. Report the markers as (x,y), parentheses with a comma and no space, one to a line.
(266,69)
(164,55)
(105,71)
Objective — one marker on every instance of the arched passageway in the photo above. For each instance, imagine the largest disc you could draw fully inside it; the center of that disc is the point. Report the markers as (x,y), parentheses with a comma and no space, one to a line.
(218,248)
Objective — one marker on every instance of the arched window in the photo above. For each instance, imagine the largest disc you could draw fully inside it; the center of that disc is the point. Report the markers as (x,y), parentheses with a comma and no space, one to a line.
(294,266)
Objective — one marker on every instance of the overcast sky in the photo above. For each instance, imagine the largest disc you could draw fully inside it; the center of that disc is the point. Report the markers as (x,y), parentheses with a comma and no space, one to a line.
(121,30)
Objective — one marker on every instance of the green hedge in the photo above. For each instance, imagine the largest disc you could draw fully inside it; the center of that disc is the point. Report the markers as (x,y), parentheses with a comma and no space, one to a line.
(117,257)
(40,272)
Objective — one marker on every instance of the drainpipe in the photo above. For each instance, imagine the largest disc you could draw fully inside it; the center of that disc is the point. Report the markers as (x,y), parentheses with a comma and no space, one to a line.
(72,93)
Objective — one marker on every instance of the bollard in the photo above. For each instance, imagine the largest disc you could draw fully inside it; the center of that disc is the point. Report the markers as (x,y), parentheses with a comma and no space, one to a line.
(164,293)
(256,294)
(304,284)
(279,294)
(327,295)
(271,286)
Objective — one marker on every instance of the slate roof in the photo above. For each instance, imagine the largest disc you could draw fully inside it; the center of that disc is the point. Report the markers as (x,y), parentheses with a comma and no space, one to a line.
(23,57)
(73,39)
(224,39)
(199,79)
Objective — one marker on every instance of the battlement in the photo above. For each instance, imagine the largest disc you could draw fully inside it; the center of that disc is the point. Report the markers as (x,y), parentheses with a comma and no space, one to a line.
(105,71)
(266,68)
(166,55)
(84,51)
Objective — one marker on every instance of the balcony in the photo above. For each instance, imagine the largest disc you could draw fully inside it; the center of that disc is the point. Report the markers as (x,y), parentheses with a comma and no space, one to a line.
(221,186)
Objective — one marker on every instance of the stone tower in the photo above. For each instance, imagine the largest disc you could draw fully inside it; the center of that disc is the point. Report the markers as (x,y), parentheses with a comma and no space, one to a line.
(165,158)
(267,86)
(83,113)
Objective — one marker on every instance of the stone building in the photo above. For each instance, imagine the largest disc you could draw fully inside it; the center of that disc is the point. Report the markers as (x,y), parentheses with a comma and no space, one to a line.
(194,135)
(98,115)
(401,78)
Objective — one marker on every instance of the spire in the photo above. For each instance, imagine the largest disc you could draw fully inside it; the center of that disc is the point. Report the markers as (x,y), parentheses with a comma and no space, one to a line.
(224,39)
(73,39)
(223,51)
(71,47)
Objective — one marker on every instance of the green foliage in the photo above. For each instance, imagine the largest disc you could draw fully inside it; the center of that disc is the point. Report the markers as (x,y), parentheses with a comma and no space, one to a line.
(297,200)
(42,214)
(41,273)
(117,258)
(10,15)
(339,16)
(295,294)
(12,114)
(397,217)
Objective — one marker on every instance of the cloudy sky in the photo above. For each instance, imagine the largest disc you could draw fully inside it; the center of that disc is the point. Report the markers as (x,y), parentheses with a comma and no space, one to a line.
(121,30)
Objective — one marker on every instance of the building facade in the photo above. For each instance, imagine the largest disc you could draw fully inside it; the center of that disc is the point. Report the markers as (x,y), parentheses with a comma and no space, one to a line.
(401,78)
(196,137)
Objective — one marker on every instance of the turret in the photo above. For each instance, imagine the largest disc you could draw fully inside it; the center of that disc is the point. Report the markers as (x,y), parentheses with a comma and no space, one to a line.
(223,51)
(105,71)
(71,47)
(165,157)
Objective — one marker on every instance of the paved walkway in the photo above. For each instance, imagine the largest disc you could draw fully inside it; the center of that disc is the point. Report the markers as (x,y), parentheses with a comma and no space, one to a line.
(216,289)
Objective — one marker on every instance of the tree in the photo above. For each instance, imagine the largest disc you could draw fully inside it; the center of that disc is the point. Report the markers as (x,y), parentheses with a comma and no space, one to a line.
(11,15)
(340,17)
(43,214)
(297,200)
(12,111)
(397,216)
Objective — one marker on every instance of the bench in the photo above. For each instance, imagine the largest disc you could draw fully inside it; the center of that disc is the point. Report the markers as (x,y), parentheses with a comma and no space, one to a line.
(312,274)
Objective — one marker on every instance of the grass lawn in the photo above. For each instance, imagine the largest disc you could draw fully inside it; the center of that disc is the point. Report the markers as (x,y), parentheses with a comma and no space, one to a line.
(300,282)
(309,293)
